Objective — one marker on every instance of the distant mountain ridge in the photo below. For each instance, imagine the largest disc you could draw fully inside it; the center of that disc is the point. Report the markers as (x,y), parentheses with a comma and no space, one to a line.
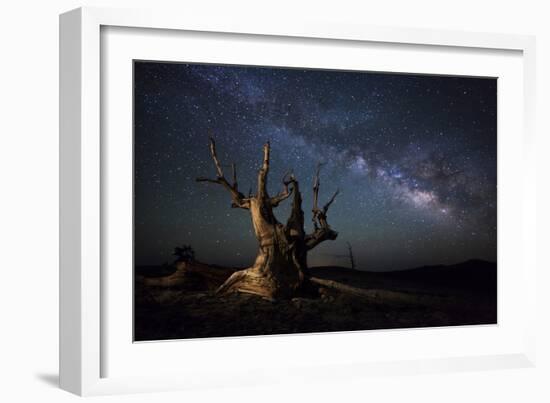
(462,265)
(473,274)
(466,263)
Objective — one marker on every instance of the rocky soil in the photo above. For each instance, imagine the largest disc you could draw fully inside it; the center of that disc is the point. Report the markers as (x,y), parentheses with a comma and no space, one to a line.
(346,300)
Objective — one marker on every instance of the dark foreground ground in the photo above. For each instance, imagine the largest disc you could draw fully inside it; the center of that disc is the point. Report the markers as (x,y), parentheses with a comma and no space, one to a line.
(463,294)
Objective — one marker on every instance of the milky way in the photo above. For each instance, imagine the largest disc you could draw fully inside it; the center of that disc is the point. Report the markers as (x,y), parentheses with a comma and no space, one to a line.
(414,158)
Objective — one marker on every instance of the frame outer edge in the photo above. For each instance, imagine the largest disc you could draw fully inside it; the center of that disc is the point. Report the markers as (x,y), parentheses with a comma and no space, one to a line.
(531,265)
(79,147)
(90,214)
(70,119)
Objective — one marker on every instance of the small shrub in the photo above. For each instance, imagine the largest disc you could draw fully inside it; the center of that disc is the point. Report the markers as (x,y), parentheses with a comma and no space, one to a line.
(184,253)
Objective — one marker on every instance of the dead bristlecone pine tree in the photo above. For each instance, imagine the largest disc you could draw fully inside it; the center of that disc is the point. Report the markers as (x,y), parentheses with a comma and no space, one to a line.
(280,269)
(350,254)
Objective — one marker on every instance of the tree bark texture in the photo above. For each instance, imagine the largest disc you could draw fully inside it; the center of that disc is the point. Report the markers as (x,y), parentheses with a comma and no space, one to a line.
(280,268)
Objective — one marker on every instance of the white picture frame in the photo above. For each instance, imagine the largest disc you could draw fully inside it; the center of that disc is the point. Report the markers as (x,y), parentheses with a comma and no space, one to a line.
(85,343)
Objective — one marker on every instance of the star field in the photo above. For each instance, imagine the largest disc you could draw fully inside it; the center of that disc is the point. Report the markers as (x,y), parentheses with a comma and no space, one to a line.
(413,156)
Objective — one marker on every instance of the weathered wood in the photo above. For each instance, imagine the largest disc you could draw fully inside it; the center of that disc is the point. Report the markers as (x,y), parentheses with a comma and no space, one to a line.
(351,258)
(378,295)
(237,197)
(194,276)
(280,267)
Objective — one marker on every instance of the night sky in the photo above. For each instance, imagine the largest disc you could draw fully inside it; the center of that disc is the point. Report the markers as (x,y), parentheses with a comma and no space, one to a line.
(413,156)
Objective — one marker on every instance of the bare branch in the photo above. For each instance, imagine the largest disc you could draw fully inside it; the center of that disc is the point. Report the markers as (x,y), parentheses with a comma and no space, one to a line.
(276,200)
(238,199)
(295,223)
(234,169)
(266,149)
(262,174)
(215,157)
(316,187)
(288,178)
(320,235)
(351,259)
(322,230)
(326,206)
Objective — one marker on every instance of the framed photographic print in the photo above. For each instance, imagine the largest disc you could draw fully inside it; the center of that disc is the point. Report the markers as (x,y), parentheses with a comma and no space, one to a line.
(413,155)
(285,197)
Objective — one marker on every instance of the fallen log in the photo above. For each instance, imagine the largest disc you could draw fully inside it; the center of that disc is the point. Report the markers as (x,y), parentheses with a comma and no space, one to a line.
(194,276)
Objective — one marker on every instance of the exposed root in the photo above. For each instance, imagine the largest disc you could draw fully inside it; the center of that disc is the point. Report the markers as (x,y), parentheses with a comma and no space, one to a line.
(193,275)
(374,295)
(343,288)
(252,281)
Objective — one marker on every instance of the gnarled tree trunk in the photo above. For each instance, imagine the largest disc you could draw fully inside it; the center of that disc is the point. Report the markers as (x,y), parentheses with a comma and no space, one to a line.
(280,268)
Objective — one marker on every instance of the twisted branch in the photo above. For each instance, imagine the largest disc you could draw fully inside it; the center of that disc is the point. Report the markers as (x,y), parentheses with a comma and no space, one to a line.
(262,174)
(322,230)
(238,199)
(288,178)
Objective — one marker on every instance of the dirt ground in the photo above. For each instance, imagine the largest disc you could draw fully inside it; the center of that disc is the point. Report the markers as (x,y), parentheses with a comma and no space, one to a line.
(462,294)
